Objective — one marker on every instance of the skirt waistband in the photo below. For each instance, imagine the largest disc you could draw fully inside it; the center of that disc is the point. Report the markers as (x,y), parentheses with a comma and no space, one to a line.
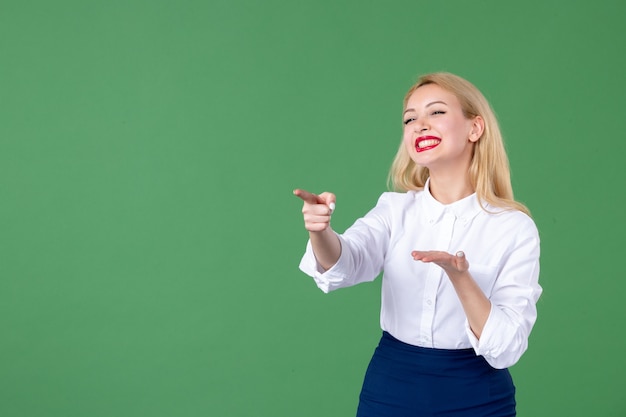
(432,360)
(398,344)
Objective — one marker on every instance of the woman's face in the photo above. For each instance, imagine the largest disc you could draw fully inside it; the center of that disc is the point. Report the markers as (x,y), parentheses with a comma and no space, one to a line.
(437,134)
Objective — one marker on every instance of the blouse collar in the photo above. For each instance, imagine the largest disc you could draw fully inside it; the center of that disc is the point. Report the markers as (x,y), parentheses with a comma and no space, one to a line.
(464,209)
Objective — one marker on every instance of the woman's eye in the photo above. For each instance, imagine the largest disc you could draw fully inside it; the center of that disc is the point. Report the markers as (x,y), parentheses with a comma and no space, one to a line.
(407,121)
(439,112)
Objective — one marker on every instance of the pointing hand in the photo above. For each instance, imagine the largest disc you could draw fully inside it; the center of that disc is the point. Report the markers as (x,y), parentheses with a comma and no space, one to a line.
(317,209)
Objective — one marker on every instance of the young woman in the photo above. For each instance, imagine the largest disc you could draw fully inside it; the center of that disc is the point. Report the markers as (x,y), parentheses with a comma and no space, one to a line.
(459,256)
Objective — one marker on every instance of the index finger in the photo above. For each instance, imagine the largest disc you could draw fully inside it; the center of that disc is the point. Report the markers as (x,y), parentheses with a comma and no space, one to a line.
(307,197)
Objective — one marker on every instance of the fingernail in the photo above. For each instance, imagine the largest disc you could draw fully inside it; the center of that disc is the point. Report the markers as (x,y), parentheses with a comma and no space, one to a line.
(460,254)
(332,207)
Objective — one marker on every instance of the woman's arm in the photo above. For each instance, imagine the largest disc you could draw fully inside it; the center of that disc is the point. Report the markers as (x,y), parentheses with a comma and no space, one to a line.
(317,211)
(502,337)
(475,304)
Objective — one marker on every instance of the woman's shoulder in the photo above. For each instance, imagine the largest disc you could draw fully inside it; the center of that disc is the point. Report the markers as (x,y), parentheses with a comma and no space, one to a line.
(401,196)
(511,217)
(397,199)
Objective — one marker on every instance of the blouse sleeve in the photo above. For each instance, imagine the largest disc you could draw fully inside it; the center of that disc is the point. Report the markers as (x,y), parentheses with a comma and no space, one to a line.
(513,302)
(363,249)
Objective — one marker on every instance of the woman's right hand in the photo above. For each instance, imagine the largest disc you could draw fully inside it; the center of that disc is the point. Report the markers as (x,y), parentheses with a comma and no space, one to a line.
(317,209)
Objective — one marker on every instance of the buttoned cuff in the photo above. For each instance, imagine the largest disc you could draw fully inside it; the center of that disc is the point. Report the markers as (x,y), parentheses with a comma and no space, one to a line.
(331,279)
(496,336)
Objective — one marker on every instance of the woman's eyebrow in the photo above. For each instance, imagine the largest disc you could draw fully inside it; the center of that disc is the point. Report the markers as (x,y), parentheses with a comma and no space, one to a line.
(428,105)
(436,102)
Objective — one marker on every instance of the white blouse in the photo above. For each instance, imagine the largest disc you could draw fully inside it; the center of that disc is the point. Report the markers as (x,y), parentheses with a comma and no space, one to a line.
(419,303)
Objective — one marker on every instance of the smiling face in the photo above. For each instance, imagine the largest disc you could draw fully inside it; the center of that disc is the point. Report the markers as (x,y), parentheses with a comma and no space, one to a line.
(437,134)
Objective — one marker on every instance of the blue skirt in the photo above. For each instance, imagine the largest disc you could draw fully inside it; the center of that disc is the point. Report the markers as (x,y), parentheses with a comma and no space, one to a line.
(403,380)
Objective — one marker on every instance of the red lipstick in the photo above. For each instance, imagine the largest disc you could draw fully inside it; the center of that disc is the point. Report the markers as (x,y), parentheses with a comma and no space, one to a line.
(424,143)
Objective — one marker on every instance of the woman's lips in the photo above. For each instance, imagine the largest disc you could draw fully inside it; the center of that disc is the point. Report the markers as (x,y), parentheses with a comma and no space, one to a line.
(424,143)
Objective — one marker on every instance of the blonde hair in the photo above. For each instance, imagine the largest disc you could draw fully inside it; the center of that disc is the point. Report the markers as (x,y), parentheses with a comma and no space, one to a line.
(489,168)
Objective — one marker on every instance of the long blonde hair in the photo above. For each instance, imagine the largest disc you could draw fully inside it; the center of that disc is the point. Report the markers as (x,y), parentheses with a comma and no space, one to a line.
(489,168)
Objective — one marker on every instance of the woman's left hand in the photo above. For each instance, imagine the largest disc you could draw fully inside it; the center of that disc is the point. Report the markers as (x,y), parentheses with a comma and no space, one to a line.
(476,305)
(450,263)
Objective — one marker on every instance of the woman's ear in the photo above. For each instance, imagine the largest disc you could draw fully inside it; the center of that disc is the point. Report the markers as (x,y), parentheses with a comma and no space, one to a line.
(478,127)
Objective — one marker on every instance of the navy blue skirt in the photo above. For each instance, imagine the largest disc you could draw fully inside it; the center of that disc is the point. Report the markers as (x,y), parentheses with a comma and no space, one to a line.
(403,380)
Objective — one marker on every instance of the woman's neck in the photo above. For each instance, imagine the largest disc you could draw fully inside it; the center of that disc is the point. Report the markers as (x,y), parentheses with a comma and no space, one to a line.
(448,189)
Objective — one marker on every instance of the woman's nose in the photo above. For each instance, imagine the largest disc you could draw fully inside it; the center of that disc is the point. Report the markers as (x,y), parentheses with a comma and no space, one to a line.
(420,127)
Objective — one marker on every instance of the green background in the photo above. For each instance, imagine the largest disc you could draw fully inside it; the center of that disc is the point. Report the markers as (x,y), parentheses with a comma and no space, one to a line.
(149,240)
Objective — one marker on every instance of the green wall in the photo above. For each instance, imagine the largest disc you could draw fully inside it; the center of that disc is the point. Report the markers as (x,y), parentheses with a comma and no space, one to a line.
(149,240)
